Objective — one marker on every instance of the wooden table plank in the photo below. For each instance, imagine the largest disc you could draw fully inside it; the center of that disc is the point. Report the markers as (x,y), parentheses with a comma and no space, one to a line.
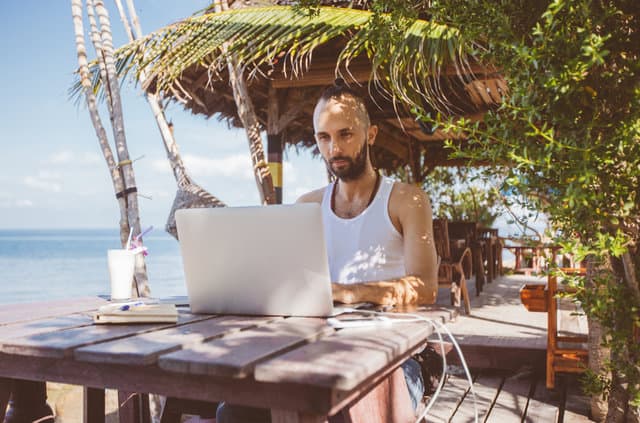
(152,379)
(145,349)
(235,355)
(24,312)
(512,400)
(61,343)
(45,325)
(347,359)
(486,388)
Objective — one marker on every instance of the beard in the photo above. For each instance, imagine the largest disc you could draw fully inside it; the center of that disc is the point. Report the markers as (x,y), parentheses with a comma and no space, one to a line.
(355,167)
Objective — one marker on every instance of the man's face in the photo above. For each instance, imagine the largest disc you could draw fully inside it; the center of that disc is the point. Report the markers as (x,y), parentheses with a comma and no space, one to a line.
(343,133)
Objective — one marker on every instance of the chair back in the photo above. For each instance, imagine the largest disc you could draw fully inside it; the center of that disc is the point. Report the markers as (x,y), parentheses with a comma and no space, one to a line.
(441,237)
(459,229)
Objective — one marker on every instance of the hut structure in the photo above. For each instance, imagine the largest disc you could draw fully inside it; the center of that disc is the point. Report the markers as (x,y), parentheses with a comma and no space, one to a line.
(278,96)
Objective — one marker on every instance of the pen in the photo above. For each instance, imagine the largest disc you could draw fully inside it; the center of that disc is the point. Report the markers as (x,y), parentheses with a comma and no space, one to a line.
(127,306)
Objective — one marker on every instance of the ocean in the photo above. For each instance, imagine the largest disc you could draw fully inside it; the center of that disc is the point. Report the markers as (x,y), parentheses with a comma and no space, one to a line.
(64,263)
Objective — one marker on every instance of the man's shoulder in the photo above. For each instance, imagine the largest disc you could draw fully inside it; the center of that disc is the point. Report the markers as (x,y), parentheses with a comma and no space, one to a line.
(404,192)
(407,200)
(314,196)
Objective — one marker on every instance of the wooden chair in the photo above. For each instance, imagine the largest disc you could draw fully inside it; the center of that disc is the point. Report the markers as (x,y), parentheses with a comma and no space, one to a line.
(455,265)
(564,353)
(468,232)
(491,252)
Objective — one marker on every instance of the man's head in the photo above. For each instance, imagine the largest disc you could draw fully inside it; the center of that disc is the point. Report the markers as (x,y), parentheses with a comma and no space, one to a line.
(343,131)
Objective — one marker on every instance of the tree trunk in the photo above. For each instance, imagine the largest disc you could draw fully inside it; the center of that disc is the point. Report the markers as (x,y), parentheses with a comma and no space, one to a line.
(83,70)
(122,171)
(597,354)
(250,122)
(619,397)
(189,194)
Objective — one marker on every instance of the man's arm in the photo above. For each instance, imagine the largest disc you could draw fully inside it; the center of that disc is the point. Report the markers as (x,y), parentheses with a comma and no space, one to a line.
(410,209)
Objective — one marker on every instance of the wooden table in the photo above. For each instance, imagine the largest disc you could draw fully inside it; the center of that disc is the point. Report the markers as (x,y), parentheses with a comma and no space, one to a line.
(300,368)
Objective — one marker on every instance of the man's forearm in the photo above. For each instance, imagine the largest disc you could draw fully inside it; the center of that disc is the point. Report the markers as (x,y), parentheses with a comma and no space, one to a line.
(406,290)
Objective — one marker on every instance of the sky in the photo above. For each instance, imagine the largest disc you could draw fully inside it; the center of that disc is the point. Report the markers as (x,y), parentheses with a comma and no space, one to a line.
(53,173)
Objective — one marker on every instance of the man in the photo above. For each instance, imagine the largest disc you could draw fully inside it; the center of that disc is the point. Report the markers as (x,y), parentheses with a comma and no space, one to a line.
(378,232)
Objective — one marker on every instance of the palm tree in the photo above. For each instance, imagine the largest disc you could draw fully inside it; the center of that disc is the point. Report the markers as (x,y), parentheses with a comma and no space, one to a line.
(122,174)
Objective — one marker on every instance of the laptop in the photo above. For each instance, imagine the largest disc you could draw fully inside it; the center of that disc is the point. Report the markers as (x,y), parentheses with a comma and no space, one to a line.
(268,260)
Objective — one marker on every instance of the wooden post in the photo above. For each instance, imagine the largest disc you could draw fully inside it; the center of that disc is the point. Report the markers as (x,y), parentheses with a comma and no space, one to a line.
(5,393)
(275,146)
(28,402)
(93,405)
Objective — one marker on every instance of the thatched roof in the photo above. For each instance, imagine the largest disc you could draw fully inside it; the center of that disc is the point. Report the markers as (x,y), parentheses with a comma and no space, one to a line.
(291,86)
(399,131)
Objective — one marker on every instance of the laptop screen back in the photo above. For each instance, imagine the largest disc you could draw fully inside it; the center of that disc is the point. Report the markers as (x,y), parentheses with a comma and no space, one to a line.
(268,260)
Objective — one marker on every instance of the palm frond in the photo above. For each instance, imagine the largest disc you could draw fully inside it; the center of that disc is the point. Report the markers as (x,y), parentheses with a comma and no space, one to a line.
(410,71)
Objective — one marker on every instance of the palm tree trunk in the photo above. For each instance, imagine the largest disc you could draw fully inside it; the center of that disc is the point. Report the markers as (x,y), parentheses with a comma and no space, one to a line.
(189,194)
(249,120)
(126,191)
(168,139)
(116,177)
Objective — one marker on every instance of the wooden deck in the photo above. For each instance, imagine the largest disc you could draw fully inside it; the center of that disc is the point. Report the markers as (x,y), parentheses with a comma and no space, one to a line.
(505,347)
(505,397)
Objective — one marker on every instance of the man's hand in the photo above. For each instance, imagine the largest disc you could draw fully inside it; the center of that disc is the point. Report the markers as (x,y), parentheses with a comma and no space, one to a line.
(403,291)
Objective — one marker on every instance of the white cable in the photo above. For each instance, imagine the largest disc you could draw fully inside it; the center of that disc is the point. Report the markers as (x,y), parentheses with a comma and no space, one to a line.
(436,393)
(437,326)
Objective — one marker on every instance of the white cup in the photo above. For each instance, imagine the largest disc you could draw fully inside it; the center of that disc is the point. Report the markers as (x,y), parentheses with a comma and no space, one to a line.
(122,265)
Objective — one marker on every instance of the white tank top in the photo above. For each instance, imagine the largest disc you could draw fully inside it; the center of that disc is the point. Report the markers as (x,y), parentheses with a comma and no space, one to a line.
(367,247)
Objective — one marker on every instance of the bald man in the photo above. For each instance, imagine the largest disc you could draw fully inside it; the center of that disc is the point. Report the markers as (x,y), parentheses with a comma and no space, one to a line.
(378,232)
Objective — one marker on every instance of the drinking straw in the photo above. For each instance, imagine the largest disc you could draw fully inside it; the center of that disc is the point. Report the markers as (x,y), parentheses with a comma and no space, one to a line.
(143,233)
(129,239)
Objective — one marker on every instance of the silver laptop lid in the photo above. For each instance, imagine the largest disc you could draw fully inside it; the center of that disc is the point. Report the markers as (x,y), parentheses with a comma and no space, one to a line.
(269,260)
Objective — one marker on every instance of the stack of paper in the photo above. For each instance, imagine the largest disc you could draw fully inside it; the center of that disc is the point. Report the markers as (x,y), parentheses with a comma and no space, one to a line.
(136,312)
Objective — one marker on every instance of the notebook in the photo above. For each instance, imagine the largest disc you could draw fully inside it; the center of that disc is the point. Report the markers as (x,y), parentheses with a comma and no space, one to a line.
(268,260)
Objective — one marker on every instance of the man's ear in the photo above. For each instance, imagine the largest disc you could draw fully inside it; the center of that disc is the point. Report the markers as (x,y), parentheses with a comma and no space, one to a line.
(372,132)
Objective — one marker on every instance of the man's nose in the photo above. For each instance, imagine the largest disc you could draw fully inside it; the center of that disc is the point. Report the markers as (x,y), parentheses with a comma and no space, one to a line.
(335,147)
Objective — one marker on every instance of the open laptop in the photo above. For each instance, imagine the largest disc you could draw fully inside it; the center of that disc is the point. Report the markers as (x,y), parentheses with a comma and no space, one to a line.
(268,260)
